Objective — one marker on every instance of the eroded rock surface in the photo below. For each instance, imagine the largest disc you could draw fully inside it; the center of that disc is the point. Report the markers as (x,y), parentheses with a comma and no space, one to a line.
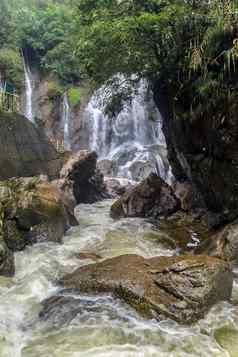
(151,198)
(181,288)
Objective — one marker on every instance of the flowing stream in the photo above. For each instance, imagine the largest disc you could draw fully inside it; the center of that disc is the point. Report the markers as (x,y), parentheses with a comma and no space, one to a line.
(133,140)
(28,111)
(104,327)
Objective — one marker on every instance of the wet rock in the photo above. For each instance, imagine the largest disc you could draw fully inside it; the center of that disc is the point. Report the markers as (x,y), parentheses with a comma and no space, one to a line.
(7,264)
(87,255)
(80,177)
(107,167)
(223,244)
(14,237)
(139,170)
(25,150)
(117,187)
(188,195)
(33,211)
(151,198)
(60,310)
(181,288)
(67,196)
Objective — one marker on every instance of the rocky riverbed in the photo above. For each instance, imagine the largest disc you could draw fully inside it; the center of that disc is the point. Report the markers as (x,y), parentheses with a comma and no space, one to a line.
(101,325)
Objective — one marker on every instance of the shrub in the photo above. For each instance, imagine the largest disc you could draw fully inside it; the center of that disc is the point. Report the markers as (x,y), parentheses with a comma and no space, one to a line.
(54,90)
(74,96)
(11,67)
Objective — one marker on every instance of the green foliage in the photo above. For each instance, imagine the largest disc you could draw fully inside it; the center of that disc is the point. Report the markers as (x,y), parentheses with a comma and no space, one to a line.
(48,32)
(11,66)
(45,31)
(55,90)
(190,46)
(74,96)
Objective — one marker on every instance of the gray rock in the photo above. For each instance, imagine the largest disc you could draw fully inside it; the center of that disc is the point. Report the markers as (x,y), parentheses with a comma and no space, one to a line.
(151,198)
(25,150)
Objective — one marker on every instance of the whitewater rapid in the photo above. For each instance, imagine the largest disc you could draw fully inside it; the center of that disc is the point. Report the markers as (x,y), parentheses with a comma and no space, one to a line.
(105,327)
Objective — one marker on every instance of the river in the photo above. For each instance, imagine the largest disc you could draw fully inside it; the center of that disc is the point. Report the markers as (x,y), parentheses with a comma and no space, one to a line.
(104,327)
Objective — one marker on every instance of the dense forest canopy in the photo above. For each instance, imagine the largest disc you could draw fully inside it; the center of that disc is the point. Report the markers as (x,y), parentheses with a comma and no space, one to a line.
(192,45)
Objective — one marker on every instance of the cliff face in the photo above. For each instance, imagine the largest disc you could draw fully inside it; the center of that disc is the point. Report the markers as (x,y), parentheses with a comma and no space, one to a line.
(205,151)
(48,108)
(24,149)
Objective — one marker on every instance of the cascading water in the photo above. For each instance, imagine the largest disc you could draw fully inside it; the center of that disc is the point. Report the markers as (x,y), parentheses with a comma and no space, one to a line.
(28,111)
(133,140)
(66,122)
(101,326)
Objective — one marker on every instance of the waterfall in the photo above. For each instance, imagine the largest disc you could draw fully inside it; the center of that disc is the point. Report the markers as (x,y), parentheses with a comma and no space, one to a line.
(66,122)
(28,112)
(133,140)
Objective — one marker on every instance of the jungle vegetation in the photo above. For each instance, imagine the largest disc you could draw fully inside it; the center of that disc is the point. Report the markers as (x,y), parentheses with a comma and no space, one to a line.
(192,45)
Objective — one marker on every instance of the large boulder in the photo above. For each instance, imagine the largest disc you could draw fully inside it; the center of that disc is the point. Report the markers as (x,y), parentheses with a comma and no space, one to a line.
(181,288)
(33,211)
(81,179)
(151,198)
(25,150)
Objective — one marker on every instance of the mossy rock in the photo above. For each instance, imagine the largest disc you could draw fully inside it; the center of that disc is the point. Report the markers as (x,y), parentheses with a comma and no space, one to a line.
(13,237)
(34,211)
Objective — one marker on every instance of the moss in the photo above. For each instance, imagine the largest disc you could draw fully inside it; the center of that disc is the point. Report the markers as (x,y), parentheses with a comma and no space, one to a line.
(74,96)
(11,66)
(55,90)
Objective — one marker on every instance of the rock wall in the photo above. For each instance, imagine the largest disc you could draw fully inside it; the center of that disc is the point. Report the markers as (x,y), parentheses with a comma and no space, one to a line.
(25,150)
(205,152)
(48,110)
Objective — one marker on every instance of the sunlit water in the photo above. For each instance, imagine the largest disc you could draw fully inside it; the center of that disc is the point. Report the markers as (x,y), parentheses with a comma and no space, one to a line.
(105,327)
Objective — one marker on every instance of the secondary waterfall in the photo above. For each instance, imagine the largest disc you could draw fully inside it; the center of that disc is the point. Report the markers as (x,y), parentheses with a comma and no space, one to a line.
(28,111)
(66,122)
(133,140)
